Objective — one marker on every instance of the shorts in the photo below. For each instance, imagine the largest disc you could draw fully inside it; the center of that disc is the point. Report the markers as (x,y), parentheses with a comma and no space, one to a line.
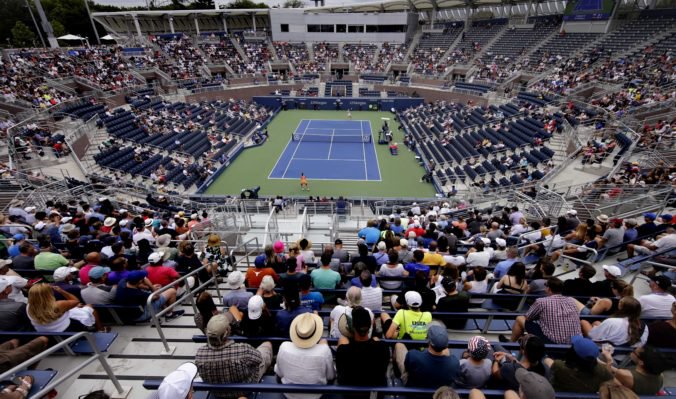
(533,327)
(157,305)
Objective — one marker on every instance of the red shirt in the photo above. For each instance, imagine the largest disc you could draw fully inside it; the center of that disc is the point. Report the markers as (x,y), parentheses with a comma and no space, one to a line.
(84,274)
(161,275)
(255,275)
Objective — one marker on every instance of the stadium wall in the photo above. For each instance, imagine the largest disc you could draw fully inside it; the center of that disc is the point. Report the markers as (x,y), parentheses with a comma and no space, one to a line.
(329,103)
(431,95)
(241,93)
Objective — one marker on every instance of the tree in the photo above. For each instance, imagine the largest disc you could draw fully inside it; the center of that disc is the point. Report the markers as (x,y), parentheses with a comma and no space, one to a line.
(294,4)
(239,4)
(22,35)
(59,29)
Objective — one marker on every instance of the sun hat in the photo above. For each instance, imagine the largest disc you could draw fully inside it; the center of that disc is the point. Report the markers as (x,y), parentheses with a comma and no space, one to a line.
(97,272)
(413,299)
(136,276)
(533,385)
(584,347)
(155,257)
(109,222)
(278,247)
(148,222)
(67,228)
(360,318)
(602,218)
(61,273)
(306,330)
(5,262)
(235,280)
(613,270)
(4,284)
(255,307)
(178,383)
(437,337)
(478,347)
(163,241)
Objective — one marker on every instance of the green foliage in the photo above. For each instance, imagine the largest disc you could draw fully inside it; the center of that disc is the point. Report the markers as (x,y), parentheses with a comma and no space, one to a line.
(12,11)
(240,4)
(59,29)
(294,4)
(22,36)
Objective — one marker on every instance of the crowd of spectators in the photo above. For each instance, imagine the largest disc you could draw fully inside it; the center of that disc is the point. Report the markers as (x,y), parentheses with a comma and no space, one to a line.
(258,55)
(179,57)
(361,57)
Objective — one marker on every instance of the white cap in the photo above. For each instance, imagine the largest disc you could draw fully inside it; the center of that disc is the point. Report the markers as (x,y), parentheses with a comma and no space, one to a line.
(413,299)
(255,307)
(178,383)
(123,222)
(66,219)
(122,210)
(39,225)
(572,212)
(155,257)
(501,242)
(29,208)
(403,242)
(613,270)
(486,241)
(61,273)
(4,284)
(193,216)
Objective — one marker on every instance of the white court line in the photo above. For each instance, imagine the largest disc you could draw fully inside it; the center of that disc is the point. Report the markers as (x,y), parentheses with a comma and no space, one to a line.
(294,152)
(328,156)
(373,148)
(283,152)
(363,148)
(324,159)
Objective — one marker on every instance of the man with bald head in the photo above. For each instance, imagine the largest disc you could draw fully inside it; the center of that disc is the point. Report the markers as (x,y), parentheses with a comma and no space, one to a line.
(92,259)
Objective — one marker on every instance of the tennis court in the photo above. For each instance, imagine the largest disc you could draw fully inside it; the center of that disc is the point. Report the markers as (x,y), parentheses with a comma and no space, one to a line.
(329,150)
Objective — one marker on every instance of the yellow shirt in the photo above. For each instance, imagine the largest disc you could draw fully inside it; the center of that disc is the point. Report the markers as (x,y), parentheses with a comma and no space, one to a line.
(433,259)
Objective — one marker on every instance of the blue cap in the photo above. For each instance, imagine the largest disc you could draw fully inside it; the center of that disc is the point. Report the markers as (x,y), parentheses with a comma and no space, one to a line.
(19,237)
(97,272)
(136,276)
(259,261)
(585,347)
(650,216)
(666,218)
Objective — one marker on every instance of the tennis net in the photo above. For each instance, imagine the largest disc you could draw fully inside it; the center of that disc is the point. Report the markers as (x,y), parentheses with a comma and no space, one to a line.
(332,138)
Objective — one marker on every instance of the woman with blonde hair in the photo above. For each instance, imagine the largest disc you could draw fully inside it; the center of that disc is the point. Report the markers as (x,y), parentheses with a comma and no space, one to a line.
(49,315)
(215,257)
(577,236)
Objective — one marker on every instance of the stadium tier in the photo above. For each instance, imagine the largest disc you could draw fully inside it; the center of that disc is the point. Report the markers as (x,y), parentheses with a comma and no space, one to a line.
(393,199)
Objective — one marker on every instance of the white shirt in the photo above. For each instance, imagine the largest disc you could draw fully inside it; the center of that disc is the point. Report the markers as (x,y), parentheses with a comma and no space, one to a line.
(372,298)
(656,305)
(145,234)
(475,259)
(304,366)
(666,242)
(517,229)
(335,315)
(616,331)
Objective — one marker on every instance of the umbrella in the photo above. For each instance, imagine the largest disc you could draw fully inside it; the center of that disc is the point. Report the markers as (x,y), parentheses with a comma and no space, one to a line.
(108,37)
(70,37)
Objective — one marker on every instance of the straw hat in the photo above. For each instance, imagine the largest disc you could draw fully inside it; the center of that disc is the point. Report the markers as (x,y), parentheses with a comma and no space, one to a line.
(306,330)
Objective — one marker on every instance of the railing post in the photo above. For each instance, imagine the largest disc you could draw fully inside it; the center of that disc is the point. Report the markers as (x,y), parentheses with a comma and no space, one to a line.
(106,366)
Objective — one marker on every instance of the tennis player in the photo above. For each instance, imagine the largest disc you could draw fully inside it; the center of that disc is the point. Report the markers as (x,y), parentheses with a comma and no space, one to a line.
(349,114)
(303,183)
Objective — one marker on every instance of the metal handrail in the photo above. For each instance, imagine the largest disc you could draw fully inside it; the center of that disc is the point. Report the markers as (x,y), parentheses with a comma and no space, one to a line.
(270,234)
(98,355)
(169,350)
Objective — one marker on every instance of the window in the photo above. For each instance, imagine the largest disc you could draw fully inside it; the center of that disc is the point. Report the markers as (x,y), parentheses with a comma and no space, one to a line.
(284,27)
(341,28)
(327,28)
(314,28)
(355,28)
(385,28)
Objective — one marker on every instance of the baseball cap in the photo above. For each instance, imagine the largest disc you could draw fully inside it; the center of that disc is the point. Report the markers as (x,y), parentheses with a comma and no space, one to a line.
(478,347)
(217,327)
(533,385)
(650,216)
(666,218)
(413,299)
(19,237)
(584,347)
(572,212)
(5,262)
(662,281)
(97,272)
(260,260)
(403,242)
(4,284)
(502,243)
(616,221)
(437,337)
(613,270)
(61,273)
(178,383)
(255,307)
(136,276)
(155,257)
(40,225)
(123,222)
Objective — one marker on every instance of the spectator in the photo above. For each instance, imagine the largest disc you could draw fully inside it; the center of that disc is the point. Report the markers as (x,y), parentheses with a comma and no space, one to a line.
(608,306)
(353,299)
(339,253)
(405,255)
(310,299)
(580,371)
(454,301)
(214,256)
(47,260)
(370,234)
(603,288)
(368,260)
(555,318)
(360,359)
(292,308)
(277,260)
(417,263)
(665,243)
(222,361)
(63,278)
(478,256)
(206,309)
(13,316)
(381,256)
(178,384)
(502,267)
(25,259)
(13,354)
(505,364)
(237,295)
(646,378)
(433,367)
(97,292)
(475,368)
(130,292)
(257,321)
(371,297)
(306,251)
(255,275)
(623,328)
(49,315)
(158,274)
(661,333)
(658,303)
(273,301)
(307,359)
(392,269)
(410,323)
(92,259)
(513,283)
(324,277)
(582,285)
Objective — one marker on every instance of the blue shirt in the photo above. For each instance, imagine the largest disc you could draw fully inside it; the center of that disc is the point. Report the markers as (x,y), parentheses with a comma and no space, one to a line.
(412,268)
(312,300)
(397,229)
(13,251)
(369,234)
(355,282)
(427,370)
(502,268)
(630,235)
(284,318)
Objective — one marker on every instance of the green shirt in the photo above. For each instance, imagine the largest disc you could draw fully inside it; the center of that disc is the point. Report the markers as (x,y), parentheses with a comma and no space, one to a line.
(49,261)
(325,278)
(567,379)
(412,322)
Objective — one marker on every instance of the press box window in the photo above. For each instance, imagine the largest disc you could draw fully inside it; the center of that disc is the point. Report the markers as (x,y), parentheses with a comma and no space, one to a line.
(284,27)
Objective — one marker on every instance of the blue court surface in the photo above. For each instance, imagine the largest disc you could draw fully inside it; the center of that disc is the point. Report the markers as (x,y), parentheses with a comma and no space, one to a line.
(329,150)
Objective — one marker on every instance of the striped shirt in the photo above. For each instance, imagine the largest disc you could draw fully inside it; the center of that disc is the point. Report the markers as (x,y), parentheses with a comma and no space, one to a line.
(557,316)
(372,298)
